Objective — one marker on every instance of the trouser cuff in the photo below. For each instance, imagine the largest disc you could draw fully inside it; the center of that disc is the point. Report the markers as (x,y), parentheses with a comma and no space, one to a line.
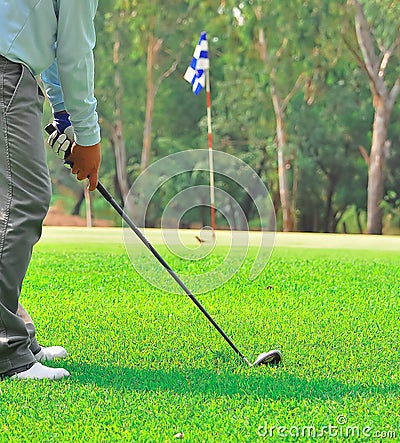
(14,371)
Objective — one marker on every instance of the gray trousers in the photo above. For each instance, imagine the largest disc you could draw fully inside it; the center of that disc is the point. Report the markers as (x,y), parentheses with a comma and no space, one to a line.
(24,199)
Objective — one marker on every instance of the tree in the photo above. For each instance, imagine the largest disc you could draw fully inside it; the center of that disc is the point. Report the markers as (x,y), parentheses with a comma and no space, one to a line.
(114,89)
(285,90)
(332,173)
(283,45)
(157,69)
(376,47)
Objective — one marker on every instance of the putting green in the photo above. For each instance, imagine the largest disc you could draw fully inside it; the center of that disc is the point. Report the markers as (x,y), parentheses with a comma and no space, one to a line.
(147,367)
(223,238)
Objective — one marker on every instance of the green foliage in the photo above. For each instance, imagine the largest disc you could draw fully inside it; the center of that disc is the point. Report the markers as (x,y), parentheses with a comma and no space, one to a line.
(384,17)
(326,134)
(146,365)
(328,118)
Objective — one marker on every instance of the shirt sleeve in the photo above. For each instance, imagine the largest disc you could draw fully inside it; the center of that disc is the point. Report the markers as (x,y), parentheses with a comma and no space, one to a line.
(69,81)
(54,93)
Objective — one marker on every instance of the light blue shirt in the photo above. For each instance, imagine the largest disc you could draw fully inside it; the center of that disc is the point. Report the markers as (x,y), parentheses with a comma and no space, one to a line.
(55,38)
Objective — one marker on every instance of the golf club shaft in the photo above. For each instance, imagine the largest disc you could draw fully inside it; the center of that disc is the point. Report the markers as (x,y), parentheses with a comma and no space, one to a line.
(103,191)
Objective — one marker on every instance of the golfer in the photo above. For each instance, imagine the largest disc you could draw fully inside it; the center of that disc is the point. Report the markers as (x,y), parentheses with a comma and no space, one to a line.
(54,38)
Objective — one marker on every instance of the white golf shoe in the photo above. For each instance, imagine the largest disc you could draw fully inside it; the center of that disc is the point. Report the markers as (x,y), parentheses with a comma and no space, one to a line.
(40,372)
(50,353)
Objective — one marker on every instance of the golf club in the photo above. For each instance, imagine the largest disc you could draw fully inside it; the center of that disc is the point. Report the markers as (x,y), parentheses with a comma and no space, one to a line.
(267,358)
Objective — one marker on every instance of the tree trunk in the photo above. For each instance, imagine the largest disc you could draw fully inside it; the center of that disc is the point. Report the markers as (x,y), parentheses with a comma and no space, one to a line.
(153,47)
(328,219)
(376,171)
(384,98)
(146,150)
(77,207)
(287,203)
(88,201)
(117,137)
(358,218)
(284,192)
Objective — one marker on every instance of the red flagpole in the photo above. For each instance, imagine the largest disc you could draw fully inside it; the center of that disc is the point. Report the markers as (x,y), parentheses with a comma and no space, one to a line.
(210,151)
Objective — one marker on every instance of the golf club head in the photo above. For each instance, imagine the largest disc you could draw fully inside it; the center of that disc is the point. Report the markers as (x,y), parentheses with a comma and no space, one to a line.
(269,358)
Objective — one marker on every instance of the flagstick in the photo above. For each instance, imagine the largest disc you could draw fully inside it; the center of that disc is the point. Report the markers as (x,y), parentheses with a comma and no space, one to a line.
(210,151)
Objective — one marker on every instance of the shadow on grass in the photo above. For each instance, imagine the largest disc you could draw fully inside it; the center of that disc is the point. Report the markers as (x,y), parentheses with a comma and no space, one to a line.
(275,384)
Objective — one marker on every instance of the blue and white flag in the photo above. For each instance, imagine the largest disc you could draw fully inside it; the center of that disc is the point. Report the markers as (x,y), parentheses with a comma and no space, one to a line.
(195,72)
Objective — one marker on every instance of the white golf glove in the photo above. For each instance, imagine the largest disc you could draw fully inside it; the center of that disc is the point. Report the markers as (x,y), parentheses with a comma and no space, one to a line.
(61,142)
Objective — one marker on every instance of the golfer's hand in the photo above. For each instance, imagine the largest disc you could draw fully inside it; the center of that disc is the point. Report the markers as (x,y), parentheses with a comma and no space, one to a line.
(85,162)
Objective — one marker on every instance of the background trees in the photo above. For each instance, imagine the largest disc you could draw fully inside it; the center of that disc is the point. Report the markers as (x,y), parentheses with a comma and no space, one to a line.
(291,89)
(378,38)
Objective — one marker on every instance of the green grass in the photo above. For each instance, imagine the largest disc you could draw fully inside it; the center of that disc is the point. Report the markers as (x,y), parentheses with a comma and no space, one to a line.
(146,364)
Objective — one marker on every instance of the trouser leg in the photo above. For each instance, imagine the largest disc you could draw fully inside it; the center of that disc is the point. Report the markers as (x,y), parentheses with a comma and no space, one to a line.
(30,327)
(24,199)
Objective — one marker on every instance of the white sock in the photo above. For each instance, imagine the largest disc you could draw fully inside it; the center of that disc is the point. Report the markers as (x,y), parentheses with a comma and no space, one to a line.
(40,372)
(50,353)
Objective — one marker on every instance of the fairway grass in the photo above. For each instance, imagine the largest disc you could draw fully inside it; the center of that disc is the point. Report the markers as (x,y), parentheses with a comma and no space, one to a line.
(146,365)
